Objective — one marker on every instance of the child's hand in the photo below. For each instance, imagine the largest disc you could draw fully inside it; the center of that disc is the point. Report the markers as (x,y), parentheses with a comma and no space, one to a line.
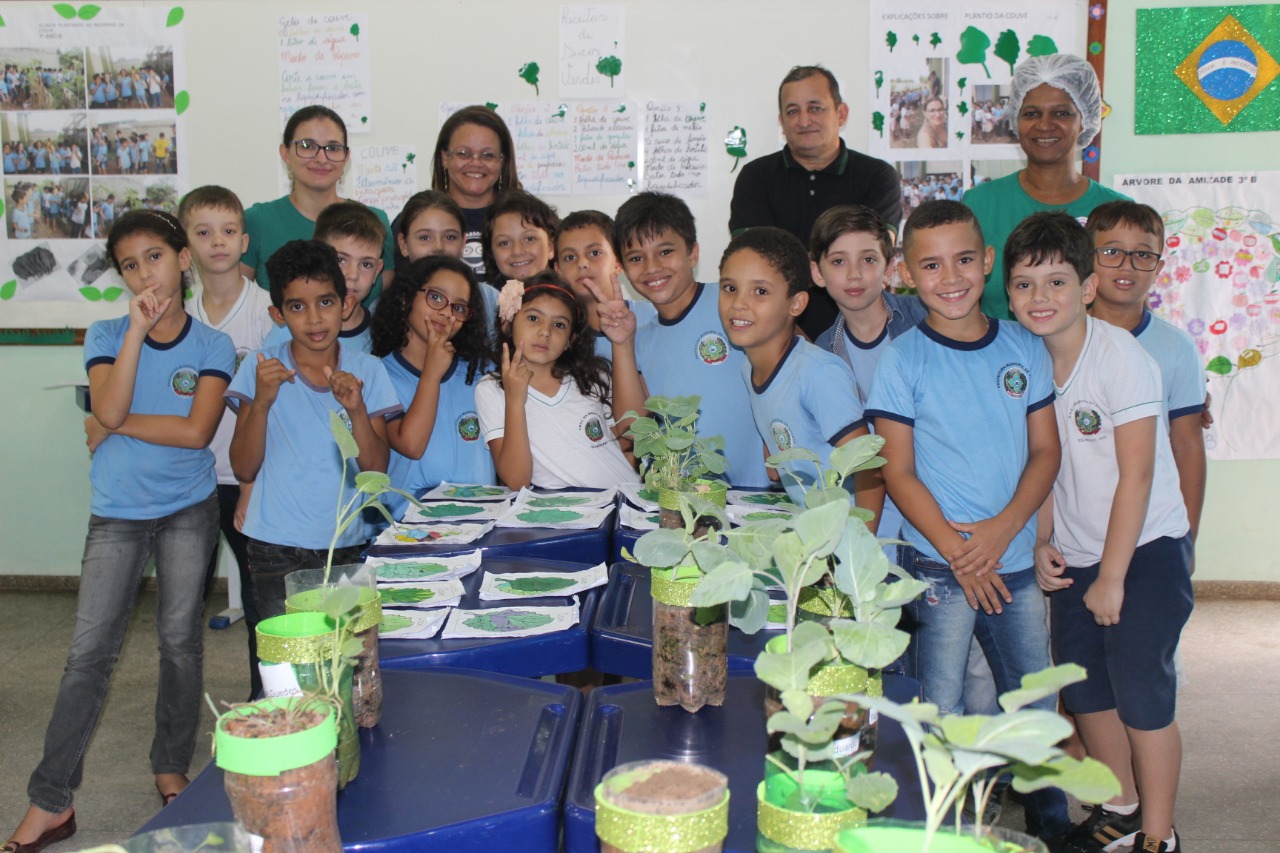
(1050,564)
(617,320)
(347,390)
(980,553)
(985,592)
(242,506)
(146,309)
(95,433)
(1103,599)
(516,372)
(270,375)
(439,351)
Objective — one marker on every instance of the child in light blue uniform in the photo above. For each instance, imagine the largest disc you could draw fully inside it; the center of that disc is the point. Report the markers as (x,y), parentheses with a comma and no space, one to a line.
(22,220)
(360,338)
(434,356)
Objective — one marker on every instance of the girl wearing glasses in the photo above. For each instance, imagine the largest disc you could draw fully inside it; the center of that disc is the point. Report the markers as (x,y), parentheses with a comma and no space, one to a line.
(432,336)
(314,151)
(1056,109)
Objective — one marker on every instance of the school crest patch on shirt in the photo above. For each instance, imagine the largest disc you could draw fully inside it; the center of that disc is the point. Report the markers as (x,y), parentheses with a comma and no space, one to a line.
(184,381)
(1013,380)
(468,426)
(593,428)
(781,435)
(713,348)
(1087,419)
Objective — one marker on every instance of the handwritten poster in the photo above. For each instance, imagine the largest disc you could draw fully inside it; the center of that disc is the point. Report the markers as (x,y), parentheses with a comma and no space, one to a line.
(324,59)
(605,147)
(675,147)
(592,56)
(383,176)
(543,135)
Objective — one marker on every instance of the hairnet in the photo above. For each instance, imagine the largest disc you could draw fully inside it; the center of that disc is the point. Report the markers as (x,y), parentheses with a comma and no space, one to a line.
(1072,75)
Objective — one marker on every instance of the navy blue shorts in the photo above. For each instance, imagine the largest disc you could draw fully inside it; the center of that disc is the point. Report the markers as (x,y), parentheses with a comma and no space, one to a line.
(1130,664)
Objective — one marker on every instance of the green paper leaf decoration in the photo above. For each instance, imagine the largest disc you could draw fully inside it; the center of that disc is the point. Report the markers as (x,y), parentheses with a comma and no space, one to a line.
(973,48)
(1008,48)
(558,501)
(473,491)
(548,516)
(176,14)
(405,595)
(91,293)
(66,10)
(1041,46)
(181,101)
(8,289)
(963,108)
(879,78)
(394,622)
(891,39)
(916,38)
(502,621)
(935,39)
(111,294)
(491,105)
(535,585)
(89,12)
(1,25)
(962,82)
(450,510)
(355,31)
(1,207)
(609,66)
(529,74)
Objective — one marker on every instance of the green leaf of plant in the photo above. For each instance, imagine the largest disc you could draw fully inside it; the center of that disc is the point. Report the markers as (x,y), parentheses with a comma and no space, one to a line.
(785,721)
(89,12)
(868,644)
(346,441)
(351,648)
(662,548)
(750,614)
(821,529)
(372,482)
(1011,731)
(798,702)
(1038,685)
(872,791)
(176,15)
(813,635)
(729,581)
(897,594)
(962,730)
(91,293)
(788,670)
(794,454)
(856,455)
(939,764)
(860,563)
(1089,780)
(111,294)
(8,289)
(66,10)
(340,601)
(181,101)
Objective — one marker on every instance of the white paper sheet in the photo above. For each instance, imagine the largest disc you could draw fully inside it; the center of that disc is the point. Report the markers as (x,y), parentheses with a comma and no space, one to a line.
(418,569)
(501,622)
(517,585)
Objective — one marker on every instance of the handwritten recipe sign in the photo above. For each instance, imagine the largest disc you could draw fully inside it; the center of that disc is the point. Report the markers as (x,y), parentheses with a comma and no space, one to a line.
(591,52)
(675,147)
(324,59)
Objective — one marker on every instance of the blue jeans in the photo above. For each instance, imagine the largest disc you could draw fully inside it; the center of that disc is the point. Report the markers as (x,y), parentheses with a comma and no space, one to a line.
(1015,642)
(269,563)
(115,553)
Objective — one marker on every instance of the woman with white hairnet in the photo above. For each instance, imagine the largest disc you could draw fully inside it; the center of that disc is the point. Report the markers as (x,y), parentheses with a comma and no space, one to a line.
(1056,110)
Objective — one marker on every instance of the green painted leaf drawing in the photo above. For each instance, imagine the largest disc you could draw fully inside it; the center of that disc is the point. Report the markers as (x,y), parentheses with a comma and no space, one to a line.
(450,510)
(473,491)
(535,585)
(549,516)
(410,157)
(1041,46)
(962,82)
(491,105)
(622,108)
(609,66)
(766,499)
(89,12)
(1,20)
(1220,365)
(181,101)
(111,294)
(702,106)
(654,519)
(778,614)
(916,38)
(735,143)
(91,293)
(879,78)
(529,74)
(66,10)
(410,571)
(355,31)
(877,122)
(176,14)
(648,494)
(1,200)
(935,39)
(765,516)
(959,134)
(502,621)
(558,500)
(1008,48)
(962,108)
(8,289)
(406,595)
(891,39)
(973,48)
(394,622)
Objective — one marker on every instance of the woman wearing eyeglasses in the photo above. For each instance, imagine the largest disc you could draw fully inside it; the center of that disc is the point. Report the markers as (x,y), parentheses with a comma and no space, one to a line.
(315,153)
(933,130)
(1056,106)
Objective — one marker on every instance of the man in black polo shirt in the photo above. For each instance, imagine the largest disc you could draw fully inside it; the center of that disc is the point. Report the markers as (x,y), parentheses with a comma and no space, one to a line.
(814,171)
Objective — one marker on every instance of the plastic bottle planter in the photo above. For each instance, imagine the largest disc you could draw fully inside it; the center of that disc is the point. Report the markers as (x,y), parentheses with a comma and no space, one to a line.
(224,837)
(690,644)
(282,787)
(858,729)
(306,591)
(291,650)
(652,806)
(784,825)
(715,491)
(891,836)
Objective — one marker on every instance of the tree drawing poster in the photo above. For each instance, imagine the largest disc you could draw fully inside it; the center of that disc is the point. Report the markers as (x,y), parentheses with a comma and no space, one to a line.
(940,75)
(1220,283)
(91,124)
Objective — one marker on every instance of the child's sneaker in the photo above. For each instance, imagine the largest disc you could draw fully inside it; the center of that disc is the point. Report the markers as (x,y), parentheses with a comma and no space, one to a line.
(1103,830)
(1143,843)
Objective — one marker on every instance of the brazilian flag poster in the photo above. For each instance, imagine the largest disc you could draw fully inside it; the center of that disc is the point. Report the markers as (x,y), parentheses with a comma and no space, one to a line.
(1208,69)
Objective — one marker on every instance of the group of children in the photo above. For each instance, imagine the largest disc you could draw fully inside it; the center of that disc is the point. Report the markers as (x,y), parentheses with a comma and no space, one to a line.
(39,87)
(1020,457)
(43,157)
(64,213)
(130,88)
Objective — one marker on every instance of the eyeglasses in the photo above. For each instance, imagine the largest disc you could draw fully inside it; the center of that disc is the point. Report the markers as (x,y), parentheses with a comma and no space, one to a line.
(439,301)
(487,157)
(1113,258)
(309,149)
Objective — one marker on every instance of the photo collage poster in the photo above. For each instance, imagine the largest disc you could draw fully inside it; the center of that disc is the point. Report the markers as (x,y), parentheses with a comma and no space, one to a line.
(940,75)
(91,101)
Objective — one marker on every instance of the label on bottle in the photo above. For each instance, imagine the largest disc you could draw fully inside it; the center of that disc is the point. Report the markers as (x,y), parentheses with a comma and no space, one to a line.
(278,679)
(846,746)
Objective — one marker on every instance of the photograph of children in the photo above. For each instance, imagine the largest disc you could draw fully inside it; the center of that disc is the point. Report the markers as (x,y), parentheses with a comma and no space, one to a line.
(114,196)
(134,143)
(41,79)
(45,143)
(924,181)
(989,114)
(918,108)
(130,78)
(981,171)
(48,208)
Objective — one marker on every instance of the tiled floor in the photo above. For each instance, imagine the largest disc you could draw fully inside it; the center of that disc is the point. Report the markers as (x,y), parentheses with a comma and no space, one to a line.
(1230,776)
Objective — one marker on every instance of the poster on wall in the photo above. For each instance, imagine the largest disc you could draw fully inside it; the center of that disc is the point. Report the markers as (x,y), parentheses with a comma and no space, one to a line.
(940,75)
(90,121)
(324,59)
(1221,284)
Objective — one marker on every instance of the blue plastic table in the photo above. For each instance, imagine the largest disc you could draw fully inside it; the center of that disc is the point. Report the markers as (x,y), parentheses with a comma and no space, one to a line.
(623,723)
(589,547)
(467,762)
(622,631)
(548,654)
(623,537)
